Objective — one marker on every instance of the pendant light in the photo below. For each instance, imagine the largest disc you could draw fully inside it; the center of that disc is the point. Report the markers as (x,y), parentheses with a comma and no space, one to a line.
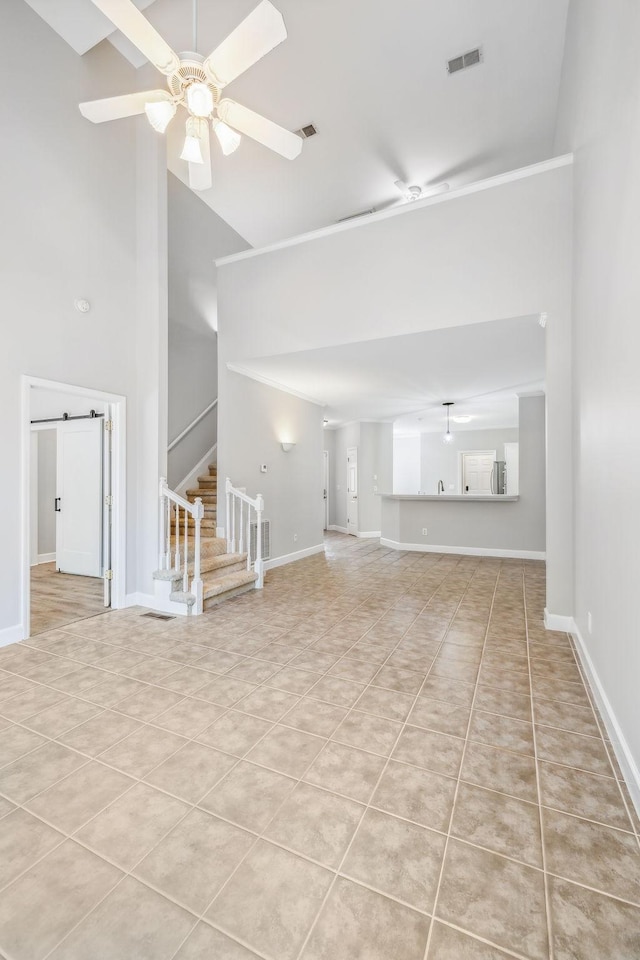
(448,437)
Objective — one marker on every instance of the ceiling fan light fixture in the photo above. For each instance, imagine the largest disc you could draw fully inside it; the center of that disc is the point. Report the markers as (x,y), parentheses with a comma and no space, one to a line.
(228,138)
(199,99)
(192,149)
(160,114)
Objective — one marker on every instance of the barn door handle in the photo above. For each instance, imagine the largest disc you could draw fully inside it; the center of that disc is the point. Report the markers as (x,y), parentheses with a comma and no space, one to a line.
(56,504)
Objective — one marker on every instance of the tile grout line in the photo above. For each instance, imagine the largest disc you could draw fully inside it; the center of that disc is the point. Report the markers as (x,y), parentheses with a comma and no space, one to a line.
(457,787)
(300,780)
(547,896)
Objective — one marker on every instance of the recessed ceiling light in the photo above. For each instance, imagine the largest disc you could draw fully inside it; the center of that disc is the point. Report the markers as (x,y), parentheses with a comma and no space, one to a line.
(461,419)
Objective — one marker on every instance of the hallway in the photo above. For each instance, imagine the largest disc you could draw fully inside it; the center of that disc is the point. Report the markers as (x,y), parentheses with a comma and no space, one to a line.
(381,755)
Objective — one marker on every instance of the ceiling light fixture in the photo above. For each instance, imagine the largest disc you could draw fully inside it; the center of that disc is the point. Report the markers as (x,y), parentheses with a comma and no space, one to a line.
(228,139)
(199,99)
(448,437)
(160,114)
(462,419)
(196,83)
(192,149)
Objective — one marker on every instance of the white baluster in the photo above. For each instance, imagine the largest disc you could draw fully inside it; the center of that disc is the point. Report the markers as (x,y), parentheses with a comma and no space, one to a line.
(161,537)
(227,486)
(185,581)
(168,545)
(234,507)
(196,583)
(259,566)
(177,551)
(241,536)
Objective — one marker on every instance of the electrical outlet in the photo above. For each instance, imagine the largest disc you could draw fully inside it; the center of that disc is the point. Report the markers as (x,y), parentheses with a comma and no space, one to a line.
(424,531)
(375,489)
(263,468)
(295,538)
(589,623)
(375,476)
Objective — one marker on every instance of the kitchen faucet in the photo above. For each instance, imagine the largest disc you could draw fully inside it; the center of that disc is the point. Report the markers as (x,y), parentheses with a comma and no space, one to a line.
(440,487)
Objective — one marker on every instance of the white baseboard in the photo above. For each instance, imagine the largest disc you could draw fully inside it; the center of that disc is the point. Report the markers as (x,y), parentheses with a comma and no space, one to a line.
(336,529)
(466,551)
(11,635)
(556,621)
(368,534)
(156,603)
(191,479)
(45,558)
(619,743)
(292,557)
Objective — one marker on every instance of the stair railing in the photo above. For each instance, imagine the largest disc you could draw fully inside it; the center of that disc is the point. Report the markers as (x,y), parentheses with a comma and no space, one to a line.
(242,511)
(173,550)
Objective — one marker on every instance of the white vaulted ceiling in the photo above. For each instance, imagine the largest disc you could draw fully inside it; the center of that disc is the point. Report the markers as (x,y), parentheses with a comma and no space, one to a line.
(372,77)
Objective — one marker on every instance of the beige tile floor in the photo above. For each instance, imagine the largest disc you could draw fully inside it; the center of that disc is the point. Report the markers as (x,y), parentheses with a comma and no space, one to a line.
(382,756)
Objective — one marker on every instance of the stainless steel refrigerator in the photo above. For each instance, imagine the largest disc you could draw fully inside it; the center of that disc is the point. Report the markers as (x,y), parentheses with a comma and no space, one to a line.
(499,477)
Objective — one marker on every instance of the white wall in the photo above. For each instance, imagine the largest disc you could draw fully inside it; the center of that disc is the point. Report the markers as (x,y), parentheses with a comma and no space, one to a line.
(197,236)
(492,525)
(441,461)
(406,464)
(83,224)
(254,420)
(599,120)
(466,258)
(47,482)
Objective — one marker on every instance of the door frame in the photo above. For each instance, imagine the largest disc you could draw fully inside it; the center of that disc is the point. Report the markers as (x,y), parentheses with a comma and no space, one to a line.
(465,453)
(356,525)
(118,411)
(325,477)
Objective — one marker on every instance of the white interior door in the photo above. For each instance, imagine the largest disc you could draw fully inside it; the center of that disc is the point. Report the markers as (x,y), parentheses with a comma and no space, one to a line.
(512,468)
(325,483)
(476,473)
(352,490)
(79,497)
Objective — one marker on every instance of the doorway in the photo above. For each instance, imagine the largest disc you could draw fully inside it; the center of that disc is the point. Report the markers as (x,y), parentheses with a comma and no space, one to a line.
(73,504)
(325,484)
(352,490)
(476,467)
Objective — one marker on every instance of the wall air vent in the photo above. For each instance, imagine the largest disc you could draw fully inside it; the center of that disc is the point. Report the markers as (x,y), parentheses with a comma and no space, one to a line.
(465,60)
(307,131)
(266,540)
(354,216)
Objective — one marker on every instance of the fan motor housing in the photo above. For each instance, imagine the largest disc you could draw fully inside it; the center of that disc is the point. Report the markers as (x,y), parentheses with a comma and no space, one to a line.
(190,71)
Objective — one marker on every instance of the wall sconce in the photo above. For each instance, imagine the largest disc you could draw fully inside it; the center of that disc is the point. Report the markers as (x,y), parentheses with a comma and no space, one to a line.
(287,446)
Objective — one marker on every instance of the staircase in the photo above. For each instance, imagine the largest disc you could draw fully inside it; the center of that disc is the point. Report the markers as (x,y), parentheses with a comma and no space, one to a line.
(223,574)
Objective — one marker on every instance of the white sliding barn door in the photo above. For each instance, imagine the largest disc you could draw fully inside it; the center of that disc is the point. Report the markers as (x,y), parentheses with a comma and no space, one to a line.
(79,500)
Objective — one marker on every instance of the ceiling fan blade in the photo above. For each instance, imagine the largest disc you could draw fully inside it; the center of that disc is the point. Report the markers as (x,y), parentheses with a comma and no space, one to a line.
(258,33)
(265,131)
(127,18)
(200,173)
(114,108)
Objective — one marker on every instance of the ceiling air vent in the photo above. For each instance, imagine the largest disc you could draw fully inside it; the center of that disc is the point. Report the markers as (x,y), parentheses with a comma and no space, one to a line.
(307,131)
(466,60)
(354,216)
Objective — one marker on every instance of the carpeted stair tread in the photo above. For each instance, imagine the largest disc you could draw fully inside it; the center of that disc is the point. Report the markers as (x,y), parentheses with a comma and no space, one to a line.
(231,581)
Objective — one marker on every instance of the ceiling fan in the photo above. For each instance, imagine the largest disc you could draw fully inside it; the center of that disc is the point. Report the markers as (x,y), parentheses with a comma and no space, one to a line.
(411,192)
(195,83)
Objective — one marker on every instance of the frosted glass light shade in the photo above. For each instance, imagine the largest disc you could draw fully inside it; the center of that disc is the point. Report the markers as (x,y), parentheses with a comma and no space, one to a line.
(199,99)
(228,139)
(160,114)
(448,437)
(192,149)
